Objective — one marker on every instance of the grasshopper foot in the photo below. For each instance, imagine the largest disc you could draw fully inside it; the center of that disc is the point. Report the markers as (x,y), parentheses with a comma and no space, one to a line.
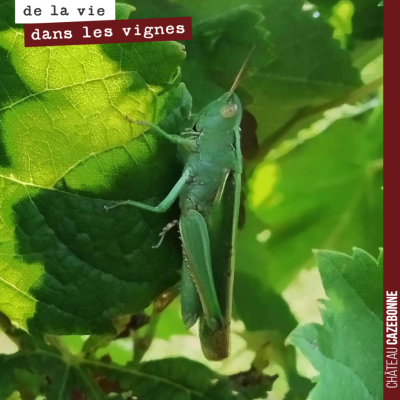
(165,230)
(117,204)
(138,122)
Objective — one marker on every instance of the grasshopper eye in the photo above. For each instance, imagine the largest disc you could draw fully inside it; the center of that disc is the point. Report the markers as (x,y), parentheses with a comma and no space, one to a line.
(228,111)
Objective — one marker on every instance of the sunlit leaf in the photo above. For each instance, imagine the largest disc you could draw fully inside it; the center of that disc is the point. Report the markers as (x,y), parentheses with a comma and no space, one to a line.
(66,265)
(326,193)
(350,363)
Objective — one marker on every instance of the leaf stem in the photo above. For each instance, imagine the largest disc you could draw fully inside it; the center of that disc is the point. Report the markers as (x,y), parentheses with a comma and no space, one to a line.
(141,344)
(59,344)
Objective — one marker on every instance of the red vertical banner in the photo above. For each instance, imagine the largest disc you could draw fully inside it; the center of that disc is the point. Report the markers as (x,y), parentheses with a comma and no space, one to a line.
(391,387)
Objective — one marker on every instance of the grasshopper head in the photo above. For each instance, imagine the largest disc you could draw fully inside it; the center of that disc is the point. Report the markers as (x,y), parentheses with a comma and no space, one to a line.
(223,114)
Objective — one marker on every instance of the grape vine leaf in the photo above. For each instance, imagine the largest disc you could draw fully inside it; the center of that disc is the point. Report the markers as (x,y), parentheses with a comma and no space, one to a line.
(296,63)
(367,20)
(67,266)
(221,45)
(264,311)
(43,369)
(310,69)
(347,349)
(123,10)
(211,69)
(336,179)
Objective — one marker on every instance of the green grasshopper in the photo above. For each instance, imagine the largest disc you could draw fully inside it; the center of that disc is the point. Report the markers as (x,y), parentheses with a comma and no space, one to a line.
(209,198)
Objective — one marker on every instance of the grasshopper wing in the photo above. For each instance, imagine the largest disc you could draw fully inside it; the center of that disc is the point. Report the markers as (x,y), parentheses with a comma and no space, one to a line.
(196,245)
(222,227)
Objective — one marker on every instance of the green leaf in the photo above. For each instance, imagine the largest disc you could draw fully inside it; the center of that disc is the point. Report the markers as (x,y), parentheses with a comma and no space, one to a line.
(310,68)
(265,313)
(221,42)
(123,10)
(218,50)
(175,378)
(58,374)
(256,302)
(296,63)
(352,326)
(67,266)
(252,384)
(326,193)
(367,19)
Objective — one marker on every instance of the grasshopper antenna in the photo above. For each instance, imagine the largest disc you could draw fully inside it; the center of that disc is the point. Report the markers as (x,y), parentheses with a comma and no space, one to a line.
(242,71)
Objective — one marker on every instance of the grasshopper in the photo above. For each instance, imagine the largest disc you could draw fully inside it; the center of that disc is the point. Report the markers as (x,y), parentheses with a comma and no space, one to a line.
(209,198)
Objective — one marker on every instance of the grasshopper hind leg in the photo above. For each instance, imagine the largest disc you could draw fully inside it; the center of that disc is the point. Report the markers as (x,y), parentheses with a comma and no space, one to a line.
(191,308)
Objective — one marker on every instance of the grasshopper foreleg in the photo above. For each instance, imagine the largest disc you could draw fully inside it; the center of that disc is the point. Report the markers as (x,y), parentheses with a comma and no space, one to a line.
(190,144)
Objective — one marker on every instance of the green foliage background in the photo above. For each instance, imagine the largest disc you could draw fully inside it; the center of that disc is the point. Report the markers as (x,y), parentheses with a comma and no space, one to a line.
(313,180)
